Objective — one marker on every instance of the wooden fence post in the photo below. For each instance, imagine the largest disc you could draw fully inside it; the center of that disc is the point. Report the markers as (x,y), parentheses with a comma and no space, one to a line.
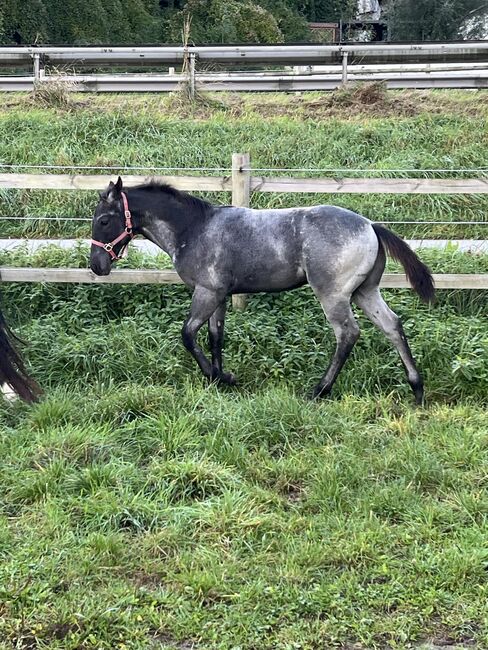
(241,193)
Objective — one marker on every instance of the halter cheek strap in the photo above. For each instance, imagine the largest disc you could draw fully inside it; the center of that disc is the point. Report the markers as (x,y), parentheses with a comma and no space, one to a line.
(128,232)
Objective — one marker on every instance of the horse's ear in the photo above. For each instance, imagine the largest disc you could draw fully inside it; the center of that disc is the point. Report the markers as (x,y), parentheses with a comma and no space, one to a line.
(114,190)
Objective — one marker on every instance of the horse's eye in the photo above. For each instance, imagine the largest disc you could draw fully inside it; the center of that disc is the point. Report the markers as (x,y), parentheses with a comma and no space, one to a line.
(104,222)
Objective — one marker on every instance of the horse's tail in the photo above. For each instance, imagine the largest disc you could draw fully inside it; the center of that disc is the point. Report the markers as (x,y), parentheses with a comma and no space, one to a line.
(418,274)
(12,369)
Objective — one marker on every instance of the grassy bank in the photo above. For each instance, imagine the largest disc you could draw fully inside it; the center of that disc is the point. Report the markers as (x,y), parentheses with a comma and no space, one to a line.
(396,131)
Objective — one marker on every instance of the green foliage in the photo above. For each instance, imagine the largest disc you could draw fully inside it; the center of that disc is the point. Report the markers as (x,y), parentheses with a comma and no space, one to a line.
(81,23)
(28,19)
(428,20)
(291,20)
(231,21)
(331,10)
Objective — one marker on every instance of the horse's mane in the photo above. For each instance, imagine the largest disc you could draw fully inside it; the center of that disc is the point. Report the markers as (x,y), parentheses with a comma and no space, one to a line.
(186,200)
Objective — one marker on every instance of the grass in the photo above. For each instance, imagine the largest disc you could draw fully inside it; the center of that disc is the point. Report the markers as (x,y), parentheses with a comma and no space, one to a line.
(144,509)
(446,130)
(153,517)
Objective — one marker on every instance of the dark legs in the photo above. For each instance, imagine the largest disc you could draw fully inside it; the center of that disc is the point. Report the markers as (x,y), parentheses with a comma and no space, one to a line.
(216,339)
(207,306)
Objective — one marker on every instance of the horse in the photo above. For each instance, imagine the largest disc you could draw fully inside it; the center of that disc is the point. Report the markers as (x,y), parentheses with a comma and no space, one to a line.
(224,250)
(14,379)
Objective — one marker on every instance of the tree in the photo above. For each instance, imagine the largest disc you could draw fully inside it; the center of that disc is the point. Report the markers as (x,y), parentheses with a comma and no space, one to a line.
(24,22)
(332,10)
(291,18)
(226,21)
(428,20)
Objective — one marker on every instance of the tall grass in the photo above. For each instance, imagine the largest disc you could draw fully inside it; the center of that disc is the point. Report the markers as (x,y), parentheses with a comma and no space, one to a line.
(145,133)
(143,508)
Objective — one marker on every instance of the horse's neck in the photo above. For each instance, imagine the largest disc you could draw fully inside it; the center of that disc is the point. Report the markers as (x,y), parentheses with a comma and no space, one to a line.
(163,226)
(162,235)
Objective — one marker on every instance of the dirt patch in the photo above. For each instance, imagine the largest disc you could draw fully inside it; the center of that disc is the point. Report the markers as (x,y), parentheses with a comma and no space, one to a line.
(167,641)
(294,494)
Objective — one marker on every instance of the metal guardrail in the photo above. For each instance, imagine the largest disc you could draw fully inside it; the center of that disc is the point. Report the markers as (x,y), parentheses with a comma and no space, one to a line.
(349,57)
(255,82)
(467,51)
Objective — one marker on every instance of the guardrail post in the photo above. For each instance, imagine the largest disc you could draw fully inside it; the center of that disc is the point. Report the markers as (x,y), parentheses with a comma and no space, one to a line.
(344,67)
(37,67)
(192,76)
(241,194)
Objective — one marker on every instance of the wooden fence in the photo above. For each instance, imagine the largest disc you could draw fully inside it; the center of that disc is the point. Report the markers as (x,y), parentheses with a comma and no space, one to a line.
(241,181)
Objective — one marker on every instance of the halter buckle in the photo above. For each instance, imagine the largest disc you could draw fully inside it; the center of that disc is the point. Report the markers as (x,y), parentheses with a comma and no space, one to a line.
(108,247)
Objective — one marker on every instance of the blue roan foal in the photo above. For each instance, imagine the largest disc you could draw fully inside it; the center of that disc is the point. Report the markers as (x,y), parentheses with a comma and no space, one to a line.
(221,250)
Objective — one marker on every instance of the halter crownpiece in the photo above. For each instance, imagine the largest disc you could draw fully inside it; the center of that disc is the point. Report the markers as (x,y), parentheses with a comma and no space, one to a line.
(128,232)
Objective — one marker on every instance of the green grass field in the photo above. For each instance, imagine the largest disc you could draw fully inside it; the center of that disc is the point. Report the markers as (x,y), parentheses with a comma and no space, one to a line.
(143,509)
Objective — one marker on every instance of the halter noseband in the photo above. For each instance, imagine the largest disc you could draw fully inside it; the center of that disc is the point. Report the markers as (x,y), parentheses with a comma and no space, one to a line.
(128,232)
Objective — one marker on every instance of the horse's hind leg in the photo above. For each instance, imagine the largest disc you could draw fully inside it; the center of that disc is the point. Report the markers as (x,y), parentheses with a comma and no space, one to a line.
(216,339)
(369,299)
(337,310)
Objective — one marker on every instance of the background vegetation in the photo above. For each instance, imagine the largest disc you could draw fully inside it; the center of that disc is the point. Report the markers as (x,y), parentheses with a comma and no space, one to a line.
(443,130)
(220,21)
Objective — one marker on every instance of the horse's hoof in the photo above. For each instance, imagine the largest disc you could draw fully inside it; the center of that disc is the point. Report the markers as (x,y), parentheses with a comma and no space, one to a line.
(222,378)
(228,379)
(319,392)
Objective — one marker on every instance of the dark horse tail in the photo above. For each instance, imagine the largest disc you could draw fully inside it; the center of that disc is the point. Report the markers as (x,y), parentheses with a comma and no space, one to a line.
(12,369)
(417,272)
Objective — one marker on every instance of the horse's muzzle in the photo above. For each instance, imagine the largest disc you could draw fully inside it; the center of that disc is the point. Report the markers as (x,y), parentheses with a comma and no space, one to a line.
(100,264)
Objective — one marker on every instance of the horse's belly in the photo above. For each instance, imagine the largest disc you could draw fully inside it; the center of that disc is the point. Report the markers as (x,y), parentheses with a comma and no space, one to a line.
(278,280)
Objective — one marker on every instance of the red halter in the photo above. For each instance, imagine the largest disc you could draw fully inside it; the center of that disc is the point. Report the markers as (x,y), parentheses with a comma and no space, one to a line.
(127,233)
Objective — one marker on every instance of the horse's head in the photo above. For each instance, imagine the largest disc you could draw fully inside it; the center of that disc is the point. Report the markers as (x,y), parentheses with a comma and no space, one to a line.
(111,228)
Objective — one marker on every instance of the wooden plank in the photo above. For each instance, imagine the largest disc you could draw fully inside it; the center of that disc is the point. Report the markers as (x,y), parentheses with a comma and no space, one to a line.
(441,280)
(372,185)
(475,246)
(85,276)
(257,184)
(152,276)
(100,182)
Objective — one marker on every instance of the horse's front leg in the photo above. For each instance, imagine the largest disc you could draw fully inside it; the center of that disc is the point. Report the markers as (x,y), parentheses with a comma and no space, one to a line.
(216,339)
(203,305)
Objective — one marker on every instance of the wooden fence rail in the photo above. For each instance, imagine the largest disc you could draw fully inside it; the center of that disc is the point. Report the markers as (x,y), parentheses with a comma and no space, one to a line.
(150,276)
(241,182)
(333,185)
